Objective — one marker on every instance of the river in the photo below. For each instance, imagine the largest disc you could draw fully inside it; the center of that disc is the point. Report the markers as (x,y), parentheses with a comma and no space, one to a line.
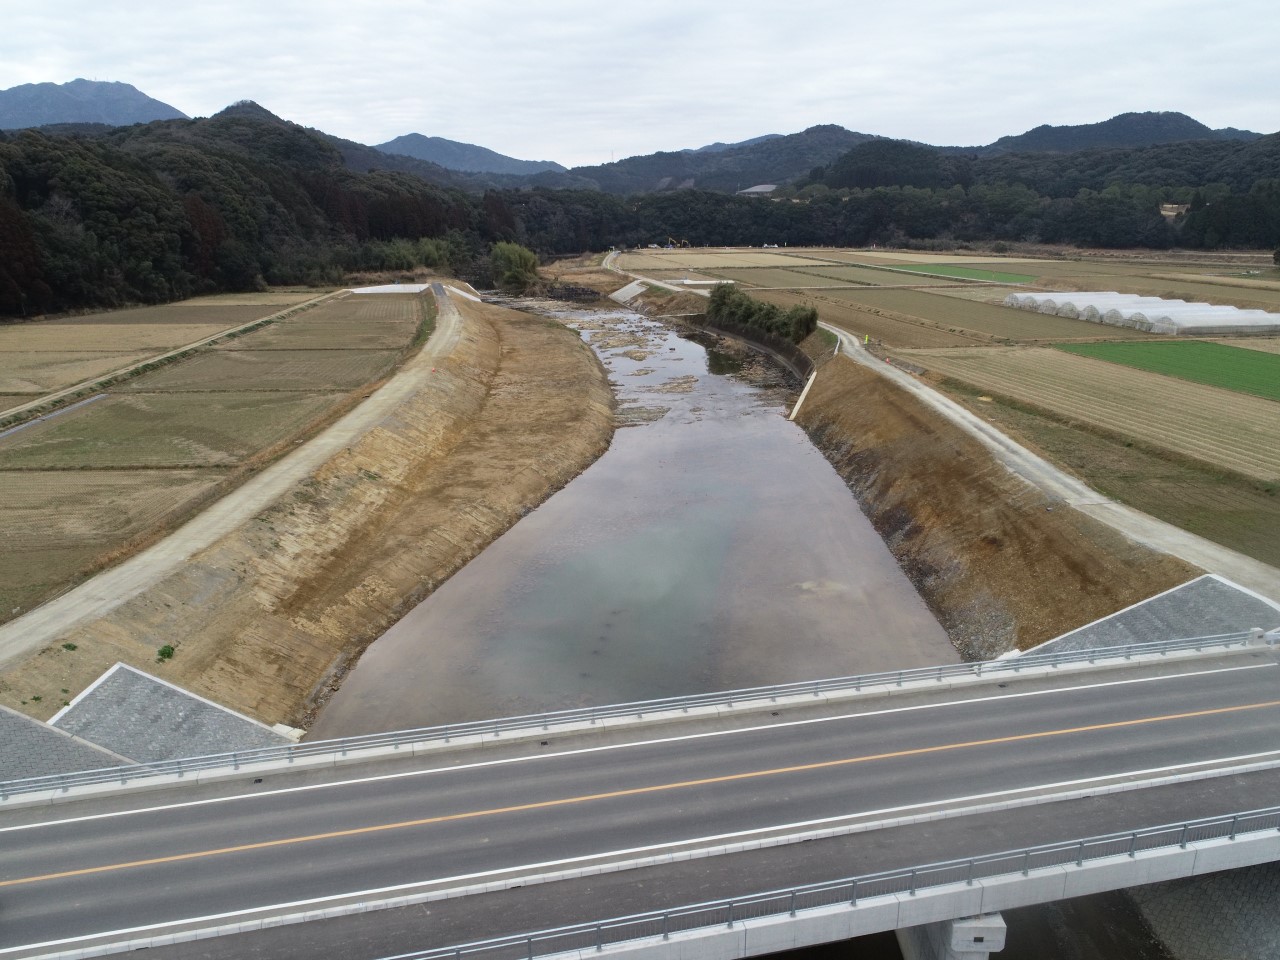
(711,547)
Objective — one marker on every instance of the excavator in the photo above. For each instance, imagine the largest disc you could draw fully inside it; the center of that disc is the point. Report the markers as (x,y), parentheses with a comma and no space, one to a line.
(673,243)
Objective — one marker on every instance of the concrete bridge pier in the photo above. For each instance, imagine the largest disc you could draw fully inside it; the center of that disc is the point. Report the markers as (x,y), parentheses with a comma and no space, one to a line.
(971,938)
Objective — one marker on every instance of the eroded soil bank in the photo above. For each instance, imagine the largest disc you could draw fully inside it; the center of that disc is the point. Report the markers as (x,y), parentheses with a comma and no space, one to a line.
(1001,565)
(266,619)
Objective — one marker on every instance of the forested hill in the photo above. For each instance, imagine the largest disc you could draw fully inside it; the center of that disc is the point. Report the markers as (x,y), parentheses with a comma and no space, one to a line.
(1126,130)
(728,169)
(467,157)
(159,211)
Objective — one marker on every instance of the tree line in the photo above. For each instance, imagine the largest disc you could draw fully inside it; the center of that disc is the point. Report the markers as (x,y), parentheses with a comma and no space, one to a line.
(162,211)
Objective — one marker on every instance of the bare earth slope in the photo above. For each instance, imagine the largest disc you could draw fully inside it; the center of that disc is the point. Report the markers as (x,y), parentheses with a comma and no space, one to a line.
(990,554)
(267,614)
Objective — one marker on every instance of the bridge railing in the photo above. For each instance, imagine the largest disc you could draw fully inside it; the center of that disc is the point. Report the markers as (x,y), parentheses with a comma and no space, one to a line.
(851,890)
(494,729)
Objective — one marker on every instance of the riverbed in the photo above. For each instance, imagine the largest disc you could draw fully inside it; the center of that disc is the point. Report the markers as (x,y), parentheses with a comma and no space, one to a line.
(711,547)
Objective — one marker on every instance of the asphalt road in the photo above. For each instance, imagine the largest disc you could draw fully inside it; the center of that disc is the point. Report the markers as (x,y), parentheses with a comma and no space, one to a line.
(84,872)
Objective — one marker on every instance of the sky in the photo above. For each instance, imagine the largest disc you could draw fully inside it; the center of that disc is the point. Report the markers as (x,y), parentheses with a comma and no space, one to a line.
(587,82)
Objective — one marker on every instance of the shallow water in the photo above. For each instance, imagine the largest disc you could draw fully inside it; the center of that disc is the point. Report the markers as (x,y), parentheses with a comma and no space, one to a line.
(711,547)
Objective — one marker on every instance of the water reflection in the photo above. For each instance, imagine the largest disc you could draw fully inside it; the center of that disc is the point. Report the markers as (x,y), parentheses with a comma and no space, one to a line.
(711,547)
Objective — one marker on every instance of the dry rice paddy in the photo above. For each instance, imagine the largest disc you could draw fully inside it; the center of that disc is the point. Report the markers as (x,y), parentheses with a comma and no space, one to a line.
(59,522)
(1213,426)
(162,430)
(270,370)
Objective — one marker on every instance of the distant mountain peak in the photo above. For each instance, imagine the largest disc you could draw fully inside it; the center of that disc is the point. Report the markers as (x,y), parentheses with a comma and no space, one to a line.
(465,157)
(80,101)
(1125,131)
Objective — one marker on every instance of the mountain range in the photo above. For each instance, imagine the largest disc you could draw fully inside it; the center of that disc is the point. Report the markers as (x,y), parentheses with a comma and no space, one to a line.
(719,167)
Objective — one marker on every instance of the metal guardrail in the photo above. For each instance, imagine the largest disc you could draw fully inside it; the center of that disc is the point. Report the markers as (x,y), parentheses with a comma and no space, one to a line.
(447,733)
(909,880)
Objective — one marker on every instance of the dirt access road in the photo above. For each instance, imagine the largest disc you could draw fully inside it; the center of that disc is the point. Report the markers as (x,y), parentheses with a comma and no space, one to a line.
(269,596)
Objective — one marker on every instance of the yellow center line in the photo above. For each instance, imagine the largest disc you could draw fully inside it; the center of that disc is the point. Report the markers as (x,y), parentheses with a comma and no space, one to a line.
(638,791)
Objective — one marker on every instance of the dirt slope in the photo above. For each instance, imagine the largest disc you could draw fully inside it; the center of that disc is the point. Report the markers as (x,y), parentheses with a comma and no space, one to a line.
(268,615)
(997,562)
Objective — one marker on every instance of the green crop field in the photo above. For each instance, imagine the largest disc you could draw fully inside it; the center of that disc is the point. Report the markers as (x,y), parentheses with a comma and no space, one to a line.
(965,273)
(1215,364)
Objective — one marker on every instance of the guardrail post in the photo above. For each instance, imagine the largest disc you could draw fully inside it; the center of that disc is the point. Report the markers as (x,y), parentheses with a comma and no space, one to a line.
(1080,855)
(530,943)
(968,880)
(899,678)
(1026,863)
(793,903)
(1133,844)
(599,942)
(235,760)
(1182,841)
(666,926)
(1234,822)
(912,889)
(853,893)
(730,913)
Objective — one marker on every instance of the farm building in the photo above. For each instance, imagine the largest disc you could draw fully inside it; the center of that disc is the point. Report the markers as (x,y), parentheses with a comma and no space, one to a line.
(1153,314)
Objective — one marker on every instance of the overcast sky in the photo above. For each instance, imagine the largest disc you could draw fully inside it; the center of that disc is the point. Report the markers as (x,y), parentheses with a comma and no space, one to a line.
(583,82)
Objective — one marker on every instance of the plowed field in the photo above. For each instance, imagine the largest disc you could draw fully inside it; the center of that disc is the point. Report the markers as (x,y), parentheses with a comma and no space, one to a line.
(1003,322)
(1213,426)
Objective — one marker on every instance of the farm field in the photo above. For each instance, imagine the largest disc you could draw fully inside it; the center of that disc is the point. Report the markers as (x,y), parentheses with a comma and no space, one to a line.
(705,260)
(888,329)
(1265,344)
(967,273)
(1226,509)
(896,257)
(777,277)
(44,356)
(59,522)
(1244,371)
(53,337)
(979,293)
(102,475)
(42,371)
(981,318)
(1190,290)
(269,370)
(162,430)
(1217,427)
(871,276)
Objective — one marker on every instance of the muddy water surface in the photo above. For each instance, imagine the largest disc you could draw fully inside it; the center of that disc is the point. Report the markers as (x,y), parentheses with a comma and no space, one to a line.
(711,547)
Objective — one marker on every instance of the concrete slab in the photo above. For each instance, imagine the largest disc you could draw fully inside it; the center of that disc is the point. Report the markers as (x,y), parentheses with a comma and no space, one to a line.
(35,749)
(1206,606)
(147,719)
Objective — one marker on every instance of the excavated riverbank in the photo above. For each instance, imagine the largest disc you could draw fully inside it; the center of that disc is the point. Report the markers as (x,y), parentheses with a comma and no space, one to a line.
(1001,565)
(269,617)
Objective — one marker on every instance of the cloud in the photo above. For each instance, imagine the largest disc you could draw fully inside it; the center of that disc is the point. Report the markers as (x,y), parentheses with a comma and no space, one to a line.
(579,81)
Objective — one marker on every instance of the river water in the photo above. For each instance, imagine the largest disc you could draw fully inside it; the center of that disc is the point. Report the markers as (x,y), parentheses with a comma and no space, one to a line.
(711,547)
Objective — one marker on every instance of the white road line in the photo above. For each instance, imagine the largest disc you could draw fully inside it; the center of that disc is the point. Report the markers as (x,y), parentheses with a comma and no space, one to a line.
(618,746)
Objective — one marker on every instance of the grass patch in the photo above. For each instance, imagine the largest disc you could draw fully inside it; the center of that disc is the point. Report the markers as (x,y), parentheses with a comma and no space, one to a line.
(1215,364)
(965,273)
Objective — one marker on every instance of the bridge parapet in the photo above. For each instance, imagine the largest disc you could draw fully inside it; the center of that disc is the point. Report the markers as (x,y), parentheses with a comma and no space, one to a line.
(898,899)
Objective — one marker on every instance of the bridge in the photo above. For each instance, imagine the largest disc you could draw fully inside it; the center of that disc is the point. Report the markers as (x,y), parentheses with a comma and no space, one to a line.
(860,804)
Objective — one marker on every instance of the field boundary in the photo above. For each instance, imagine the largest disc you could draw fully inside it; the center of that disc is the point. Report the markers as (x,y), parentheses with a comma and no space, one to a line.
(54,401)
